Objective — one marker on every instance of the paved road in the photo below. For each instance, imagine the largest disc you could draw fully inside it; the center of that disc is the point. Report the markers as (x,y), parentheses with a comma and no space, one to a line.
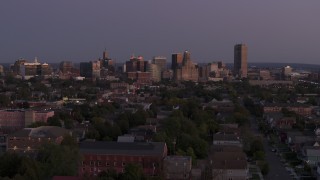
(276,168)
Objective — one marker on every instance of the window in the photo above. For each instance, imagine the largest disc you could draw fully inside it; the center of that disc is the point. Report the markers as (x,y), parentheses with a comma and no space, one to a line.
(115,164)
(99,163)
(91,163)
(123,164)
(107,164)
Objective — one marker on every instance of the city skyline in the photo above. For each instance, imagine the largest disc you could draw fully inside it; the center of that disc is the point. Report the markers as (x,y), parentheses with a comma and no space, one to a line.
(57,31)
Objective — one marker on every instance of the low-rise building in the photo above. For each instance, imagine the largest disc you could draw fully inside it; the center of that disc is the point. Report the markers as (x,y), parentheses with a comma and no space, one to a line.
(229,165)
(29,140)
(226,139)
(102,156)
(177,167)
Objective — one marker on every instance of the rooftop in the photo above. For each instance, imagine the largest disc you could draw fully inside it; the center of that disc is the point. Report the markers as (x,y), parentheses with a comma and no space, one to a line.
(124,148)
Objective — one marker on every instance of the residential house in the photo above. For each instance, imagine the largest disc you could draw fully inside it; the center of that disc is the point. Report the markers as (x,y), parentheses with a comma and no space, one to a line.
(229,165)
(311,155)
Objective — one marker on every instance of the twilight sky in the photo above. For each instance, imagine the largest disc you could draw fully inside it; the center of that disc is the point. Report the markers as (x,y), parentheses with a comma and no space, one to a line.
(79,30)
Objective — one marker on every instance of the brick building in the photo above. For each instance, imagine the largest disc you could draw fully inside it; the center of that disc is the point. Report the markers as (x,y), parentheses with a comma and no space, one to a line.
(11,120)
(103,156)
(29,140)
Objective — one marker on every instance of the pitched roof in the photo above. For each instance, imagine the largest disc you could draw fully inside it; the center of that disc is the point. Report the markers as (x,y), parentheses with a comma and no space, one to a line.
(124,148)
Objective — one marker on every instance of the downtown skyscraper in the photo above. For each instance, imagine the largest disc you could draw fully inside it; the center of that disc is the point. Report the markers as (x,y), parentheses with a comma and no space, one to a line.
(240,60)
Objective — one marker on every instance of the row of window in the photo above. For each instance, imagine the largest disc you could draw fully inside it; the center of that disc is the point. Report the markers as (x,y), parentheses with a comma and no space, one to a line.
(114,164)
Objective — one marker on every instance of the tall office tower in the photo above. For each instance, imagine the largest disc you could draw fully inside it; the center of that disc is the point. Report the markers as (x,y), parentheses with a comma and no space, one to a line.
(240,60)
(86,69)
(90,69)
(187,70)
(155,71)
(176,60)
(160,61)
(186,57)
(105,55)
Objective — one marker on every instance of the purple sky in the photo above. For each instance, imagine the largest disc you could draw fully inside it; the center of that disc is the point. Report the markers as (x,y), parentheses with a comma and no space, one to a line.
(79,30)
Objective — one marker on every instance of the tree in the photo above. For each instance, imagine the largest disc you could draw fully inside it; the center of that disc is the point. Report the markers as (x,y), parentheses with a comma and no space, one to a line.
(259,155)
(68,140)
(56,160)
(132,172)
(18,167)
(54,121)
(256,146)
(4,100)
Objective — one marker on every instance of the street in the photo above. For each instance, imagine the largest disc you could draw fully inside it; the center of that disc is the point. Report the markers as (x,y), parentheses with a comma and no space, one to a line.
(276,168)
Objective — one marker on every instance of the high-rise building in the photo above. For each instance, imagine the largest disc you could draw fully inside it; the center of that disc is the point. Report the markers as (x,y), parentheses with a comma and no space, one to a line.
(90,69)
(155,71)
(28,70)
(176,61)
(136,64)
(240,60)
(187,71)
(86,69)
(160,61)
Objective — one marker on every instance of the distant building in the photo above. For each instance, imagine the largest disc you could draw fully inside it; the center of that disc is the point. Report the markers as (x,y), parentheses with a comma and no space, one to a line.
(29,140)
(106,65)
(161,62)
(90,69)
(31,69)
(103,156)
(86,69)
(286,72)
(11,120)
(155,71)
(142,77)
(188,71)
(264,74)
(176,61)
(136,64)
(66,67)
(1,70)
(240,60)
